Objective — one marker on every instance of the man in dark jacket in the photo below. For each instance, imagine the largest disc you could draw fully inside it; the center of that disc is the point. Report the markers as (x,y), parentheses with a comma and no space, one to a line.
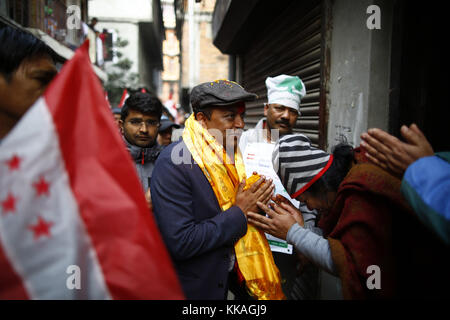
(198,232)
(139,123)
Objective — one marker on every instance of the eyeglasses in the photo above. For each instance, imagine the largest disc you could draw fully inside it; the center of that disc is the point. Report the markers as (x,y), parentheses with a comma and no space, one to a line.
(148,123)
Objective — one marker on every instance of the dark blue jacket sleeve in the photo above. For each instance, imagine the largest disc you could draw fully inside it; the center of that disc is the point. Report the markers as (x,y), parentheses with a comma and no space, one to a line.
(187,231)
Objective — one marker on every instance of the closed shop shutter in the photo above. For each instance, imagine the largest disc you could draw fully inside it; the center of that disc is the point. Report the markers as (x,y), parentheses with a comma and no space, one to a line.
(290,44)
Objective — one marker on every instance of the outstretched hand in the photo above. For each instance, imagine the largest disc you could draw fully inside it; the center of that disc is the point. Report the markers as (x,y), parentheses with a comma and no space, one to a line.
(392,154)
(280,220)
(288,206)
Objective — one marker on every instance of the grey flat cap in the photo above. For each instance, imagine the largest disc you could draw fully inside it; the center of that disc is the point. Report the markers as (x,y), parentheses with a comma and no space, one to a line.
(219,93)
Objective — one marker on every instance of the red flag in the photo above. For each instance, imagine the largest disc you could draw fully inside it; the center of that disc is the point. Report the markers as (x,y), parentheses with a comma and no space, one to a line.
(107,99)
(124,97)
(74,223)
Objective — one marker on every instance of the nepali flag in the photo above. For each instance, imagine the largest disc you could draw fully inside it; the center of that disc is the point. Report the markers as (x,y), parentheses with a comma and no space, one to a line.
(74,222)
(124,97)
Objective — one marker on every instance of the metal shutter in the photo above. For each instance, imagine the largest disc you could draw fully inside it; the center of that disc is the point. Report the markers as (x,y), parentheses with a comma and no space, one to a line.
(291,44)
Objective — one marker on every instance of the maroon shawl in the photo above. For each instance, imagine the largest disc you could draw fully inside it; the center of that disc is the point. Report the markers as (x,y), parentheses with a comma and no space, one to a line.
(359,228)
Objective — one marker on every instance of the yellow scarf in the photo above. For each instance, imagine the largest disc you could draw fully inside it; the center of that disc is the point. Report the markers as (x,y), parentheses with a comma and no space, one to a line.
(253,253)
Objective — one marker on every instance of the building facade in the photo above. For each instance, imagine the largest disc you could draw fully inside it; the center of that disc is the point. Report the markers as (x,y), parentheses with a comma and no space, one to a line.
(364,63)
(140,23)
(170,93)
(61,24)
(201,61)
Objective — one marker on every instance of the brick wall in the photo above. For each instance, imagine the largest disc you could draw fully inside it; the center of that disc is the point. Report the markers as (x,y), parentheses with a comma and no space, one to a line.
(212,64)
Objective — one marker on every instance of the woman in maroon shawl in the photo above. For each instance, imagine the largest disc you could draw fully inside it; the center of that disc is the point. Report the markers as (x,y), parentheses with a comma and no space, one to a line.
(376,246)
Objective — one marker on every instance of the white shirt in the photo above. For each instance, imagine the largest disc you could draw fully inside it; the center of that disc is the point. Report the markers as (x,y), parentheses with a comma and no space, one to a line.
(256,134)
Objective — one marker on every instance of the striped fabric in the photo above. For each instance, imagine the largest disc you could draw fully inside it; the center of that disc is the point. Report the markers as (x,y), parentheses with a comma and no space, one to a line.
(299,164)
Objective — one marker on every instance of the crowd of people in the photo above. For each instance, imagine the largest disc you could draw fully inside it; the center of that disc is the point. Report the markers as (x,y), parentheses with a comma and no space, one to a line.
(383,204)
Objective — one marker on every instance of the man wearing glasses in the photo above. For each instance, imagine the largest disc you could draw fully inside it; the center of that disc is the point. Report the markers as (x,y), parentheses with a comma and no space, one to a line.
(139,124)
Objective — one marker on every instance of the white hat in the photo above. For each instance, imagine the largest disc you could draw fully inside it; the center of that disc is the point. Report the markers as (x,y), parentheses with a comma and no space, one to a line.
(285,90)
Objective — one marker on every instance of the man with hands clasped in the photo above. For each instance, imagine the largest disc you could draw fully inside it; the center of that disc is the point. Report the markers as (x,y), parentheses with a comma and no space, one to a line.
(199,192)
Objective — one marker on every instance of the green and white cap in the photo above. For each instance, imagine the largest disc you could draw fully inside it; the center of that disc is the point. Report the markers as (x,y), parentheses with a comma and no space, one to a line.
(285,90)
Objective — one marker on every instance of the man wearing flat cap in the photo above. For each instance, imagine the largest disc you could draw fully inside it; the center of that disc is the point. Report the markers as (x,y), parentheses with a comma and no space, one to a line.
(198,193)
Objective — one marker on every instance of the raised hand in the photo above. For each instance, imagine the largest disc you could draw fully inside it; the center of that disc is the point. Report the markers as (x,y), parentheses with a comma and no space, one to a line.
(392,154)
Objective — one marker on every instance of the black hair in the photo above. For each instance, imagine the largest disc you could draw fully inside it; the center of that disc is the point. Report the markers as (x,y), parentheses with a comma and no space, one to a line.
(206,111)
(17,46)
(142,102)
(343,157)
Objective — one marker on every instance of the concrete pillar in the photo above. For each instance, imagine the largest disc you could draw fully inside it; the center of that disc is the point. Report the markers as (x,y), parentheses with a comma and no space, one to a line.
(359,70)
